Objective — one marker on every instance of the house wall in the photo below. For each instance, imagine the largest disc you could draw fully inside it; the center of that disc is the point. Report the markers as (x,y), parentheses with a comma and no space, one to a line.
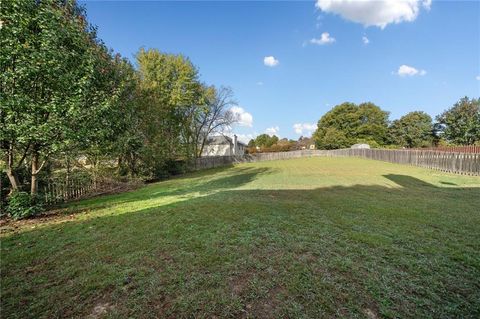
(223,150)
(217,150)
(240,150)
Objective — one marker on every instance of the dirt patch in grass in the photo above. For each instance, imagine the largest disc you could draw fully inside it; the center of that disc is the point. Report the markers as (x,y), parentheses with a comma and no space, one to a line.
(161,305)
(8,225)
(239,284)
(371,314)
(60,214)
(100,310)
(268,307)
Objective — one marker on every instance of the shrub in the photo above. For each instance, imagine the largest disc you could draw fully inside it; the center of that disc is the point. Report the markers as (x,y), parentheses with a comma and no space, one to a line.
(23,205)
(176,167)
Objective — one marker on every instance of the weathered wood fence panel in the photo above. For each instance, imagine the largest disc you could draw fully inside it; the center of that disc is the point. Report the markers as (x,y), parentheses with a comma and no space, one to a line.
(460,163)
(454,149)
(62,190)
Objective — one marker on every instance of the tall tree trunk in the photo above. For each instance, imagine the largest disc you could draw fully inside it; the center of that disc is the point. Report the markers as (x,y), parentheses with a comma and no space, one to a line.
(94,166)
(12,176)
(35,170)
(119,164)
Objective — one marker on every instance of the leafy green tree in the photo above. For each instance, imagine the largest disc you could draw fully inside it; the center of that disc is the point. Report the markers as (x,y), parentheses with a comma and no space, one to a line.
(352,122)
(265,140)
(127,140)
(56,87)
(461,123)
(414,129)
(169,91)
(273,140)
(333,139)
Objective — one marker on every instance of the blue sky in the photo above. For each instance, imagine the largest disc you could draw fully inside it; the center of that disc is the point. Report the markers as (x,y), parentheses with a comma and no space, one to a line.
(290,62)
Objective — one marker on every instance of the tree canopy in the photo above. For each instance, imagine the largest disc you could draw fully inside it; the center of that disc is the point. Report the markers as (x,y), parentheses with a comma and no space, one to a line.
(263,141)
(414,129)
(58,84)
(461,123)
(348,123)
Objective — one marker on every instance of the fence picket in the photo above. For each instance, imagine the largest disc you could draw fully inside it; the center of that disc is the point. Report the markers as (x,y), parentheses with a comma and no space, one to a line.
(56,191)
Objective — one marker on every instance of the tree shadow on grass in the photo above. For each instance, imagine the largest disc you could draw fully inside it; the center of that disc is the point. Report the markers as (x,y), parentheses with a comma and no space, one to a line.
(409,182)
(200,183)
(405,252)
(447,183)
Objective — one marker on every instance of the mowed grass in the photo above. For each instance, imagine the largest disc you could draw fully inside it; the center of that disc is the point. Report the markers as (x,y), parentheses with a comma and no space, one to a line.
(303,238)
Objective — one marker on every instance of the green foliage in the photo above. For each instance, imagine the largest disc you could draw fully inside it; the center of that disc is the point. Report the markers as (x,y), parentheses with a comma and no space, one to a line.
(59,84)
(348,122)
(176,167)
(461,123)
(22,205)
(169,87)
(414,129)
(265,140)
(332,138)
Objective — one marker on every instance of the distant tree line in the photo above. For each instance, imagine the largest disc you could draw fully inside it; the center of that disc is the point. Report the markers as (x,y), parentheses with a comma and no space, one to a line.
(347,124)
(264,143)
(66,98)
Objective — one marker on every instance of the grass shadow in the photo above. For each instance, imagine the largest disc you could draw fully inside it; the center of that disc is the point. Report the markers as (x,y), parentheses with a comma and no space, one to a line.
(201,182)
(448,183)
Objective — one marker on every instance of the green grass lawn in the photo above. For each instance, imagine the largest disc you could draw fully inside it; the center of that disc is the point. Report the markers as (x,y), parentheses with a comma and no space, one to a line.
(303,238)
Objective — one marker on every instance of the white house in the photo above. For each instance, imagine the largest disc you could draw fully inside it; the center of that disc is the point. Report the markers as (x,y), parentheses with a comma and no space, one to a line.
(223,146)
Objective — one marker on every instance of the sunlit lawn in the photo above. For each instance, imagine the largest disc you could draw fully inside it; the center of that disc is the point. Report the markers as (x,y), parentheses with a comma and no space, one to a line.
(304,238)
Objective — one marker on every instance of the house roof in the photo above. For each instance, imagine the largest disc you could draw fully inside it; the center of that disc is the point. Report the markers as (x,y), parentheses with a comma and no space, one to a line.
(219,140)
(222,140)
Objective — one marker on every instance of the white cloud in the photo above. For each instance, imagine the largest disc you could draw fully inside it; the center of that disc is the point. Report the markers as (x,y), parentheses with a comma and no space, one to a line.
(270,61)
(378,13)
(304,128)
(405,70)
(365,40)
(325,38)
(243,118)
(272,130)
(477,77)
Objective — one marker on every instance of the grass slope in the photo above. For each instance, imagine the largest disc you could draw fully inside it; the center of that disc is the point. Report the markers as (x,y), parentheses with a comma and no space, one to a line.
(304,238)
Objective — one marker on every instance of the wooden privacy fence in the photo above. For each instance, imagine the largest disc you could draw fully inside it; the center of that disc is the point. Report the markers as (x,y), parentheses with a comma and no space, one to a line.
(454,149)
(217,161)
(460,163)
(58,190)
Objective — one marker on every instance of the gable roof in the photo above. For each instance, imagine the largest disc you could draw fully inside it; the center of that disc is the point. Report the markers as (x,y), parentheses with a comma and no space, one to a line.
(221,140)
